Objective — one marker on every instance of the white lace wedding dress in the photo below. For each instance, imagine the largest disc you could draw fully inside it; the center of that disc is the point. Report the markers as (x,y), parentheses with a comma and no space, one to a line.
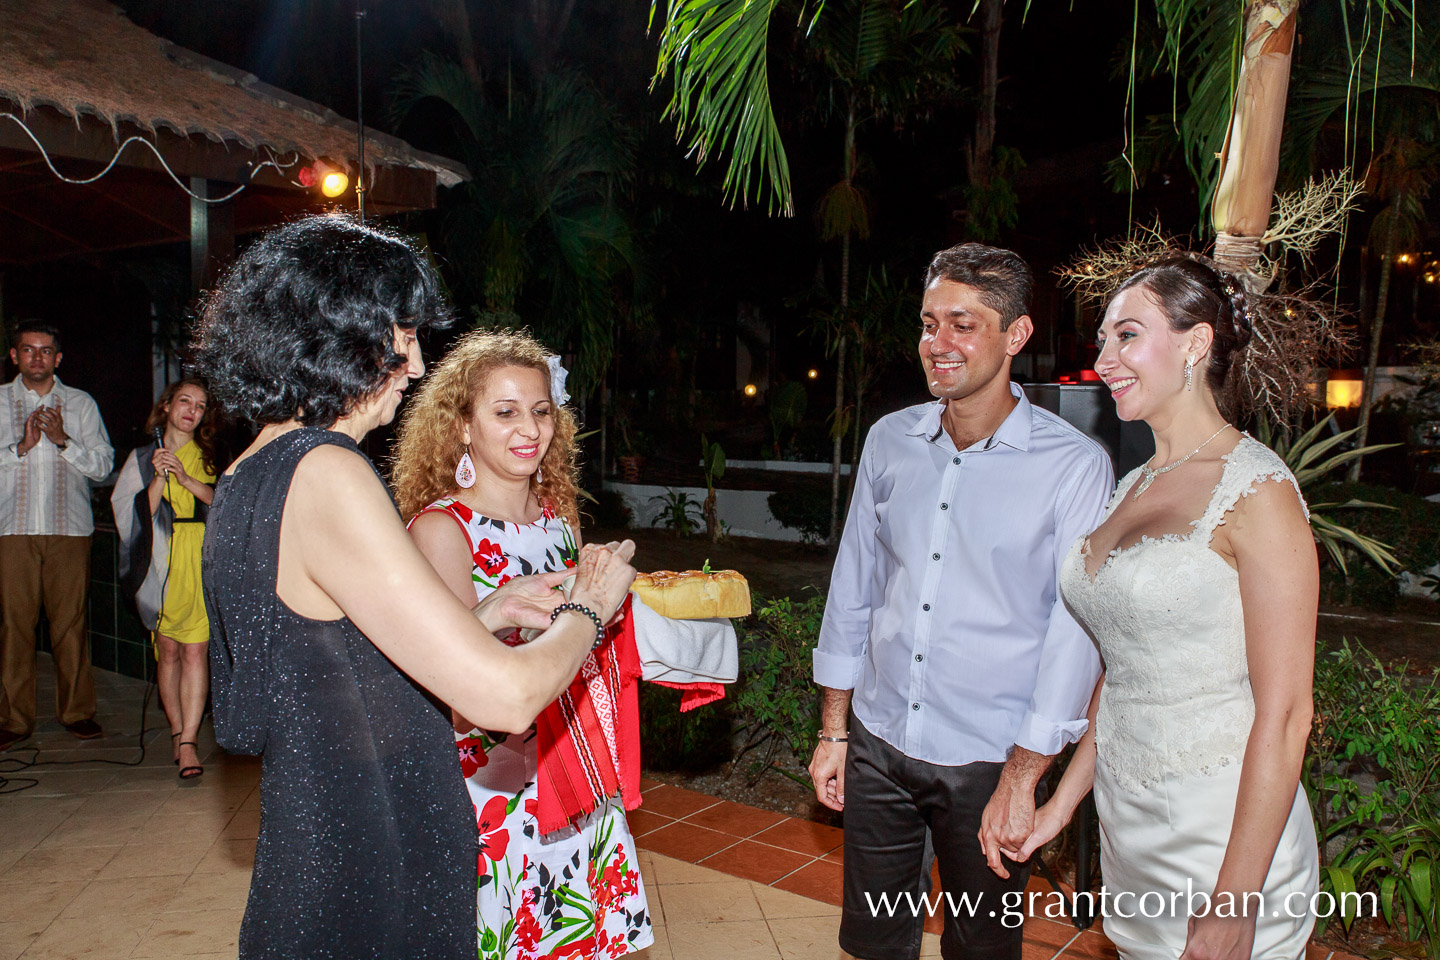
(1174,718)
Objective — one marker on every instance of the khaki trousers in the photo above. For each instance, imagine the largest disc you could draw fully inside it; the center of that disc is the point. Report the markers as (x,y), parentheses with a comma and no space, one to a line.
(53,570)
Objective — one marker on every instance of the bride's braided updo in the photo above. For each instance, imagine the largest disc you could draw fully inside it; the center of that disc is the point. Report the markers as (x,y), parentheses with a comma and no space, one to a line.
(1191,291)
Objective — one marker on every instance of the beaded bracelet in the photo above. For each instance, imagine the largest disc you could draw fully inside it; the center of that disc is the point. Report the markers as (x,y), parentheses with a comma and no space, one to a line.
(581,609)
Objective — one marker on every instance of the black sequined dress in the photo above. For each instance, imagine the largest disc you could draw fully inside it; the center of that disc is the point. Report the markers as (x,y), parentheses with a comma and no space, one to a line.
(367,837)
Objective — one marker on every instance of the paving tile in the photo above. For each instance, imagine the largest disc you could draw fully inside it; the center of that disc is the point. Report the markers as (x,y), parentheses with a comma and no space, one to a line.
(802,836)
(782,905)
(68,783)
(109,898)
(807,938)
(205,798)
(742,940)
(84,830)
(735,818)
(244,825)
(644,821)
(647,784)
(16,936)
(1092,945)
(676,801)
(684,841)
(756,861)
(36,901)
(659,950)
(62,863)
(155,860)
(229,856)
(819,880)
(169,827)
(1048,933)
(84,939)
(724,900)
(669,870)
(188,934)
(209,891)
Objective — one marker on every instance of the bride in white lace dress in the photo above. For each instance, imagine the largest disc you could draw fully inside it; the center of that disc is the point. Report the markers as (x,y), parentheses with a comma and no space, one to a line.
(1200,586)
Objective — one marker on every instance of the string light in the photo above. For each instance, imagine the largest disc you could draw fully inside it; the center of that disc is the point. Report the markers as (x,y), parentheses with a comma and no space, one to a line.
(813,374)
(255,167)
(750,390)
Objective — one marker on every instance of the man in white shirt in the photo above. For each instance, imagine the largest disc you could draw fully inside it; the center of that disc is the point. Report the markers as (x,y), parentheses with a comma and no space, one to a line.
(52,443)
(944,631)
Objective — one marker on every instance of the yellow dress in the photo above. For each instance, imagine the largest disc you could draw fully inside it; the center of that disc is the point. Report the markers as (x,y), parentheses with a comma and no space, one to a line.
(183,616)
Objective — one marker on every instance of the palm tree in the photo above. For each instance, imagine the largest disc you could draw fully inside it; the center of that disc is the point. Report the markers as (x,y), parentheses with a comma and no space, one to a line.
(878,59)
(536,236)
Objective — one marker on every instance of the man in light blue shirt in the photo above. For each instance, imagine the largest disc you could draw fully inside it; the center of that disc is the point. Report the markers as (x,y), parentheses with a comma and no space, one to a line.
(944,630)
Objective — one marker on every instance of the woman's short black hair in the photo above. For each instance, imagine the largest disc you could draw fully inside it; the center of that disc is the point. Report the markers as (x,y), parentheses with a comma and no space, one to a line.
(302,324)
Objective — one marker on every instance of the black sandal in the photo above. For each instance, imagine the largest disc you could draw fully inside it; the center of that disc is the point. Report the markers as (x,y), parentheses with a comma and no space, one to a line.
(190,772)
(172,743)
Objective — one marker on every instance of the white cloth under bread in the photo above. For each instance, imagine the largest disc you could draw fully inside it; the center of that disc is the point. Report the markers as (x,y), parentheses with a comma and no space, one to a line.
(685,651)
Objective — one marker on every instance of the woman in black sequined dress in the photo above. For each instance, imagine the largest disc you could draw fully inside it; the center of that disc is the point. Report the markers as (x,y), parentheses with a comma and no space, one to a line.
(333,640)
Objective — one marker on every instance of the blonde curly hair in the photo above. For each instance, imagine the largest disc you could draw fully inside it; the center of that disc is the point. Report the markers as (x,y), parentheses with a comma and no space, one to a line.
(431,436)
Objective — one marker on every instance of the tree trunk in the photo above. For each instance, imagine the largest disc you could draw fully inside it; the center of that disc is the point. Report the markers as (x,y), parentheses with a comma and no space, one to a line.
(982,153)
(837,447)
(855,439)
(1250,157)
(1377,326)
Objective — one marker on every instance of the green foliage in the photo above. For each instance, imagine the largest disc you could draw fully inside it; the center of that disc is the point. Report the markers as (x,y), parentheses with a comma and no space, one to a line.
(1370,718)
(1311,460)
(777,704)
(993,207)
(881,57)
(717,51)
(679,513)
(712,460)
(537,237)
(807,511)
(1410,527)
(787,409)
(1376,725)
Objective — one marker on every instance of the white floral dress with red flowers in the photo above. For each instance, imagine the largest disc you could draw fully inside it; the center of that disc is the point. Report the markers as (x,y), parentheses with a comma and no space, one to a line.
(576,893)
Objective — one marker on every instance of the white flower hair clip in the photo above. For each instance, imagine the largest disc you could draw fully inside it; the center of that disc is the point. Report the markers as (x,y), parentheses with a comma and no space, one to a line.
(557,381)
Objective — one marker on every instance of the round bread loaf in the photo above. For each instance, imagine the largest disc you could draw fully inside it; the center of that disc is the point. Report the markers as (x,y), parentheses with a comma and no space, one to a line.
(694,594)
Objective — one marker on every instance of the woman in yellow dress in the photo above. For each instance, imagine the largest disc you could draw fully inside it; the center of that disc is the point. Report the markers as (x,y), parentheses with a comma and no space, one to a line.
(160,502)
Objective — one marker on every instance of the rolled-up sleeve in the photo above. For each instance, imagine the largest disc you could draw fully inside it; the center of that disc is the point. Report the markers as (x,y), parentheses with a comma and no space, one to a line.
(89,449)
(844,633)
(1069,662)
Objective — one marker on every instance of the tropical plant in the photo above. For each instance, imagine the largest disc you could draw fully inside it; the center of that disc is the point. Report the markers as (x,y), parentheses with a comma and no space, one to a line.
(777,705)
(537,237)
(787,407)
(712,461)
(679,513)
(1303,455)
(1383,726)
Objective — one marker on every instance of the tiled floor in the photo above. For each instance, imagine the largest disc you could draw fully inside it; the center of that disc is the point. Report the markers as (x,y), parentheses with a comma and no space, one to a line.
(106,861)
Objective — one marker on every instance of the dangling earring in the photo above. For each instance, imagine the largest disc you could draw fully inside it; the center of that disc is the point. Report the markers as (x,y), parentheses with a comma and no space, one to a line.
(1190,372)
(465,470)
(539,476)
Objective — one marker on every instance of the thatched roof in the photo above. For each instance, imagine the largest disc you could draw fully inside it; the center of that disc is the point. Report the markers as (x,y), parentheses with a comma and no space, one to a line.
(84,58)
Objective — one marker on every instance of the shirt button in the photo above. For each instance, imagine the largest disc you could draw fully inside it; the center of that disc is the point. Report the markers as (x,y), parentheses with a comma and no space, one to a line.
(956,461)
(919,657)
(934,556)
(944,506)
(924,607)
(914,706)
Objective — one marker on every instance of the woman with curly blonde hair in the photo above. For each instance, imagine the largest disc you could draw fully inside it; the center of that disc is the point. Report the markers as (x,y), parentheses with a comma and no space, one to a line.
(484,471)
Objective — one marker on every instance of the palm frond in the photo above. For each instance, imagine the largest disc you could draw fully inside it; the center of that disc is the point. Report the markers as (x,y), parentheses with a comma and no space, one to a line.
(717,52)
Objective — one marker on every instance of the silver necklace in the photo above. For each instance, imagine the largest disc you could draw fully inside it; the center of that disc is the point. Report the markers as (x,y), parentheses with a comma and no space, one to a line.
(1150,475)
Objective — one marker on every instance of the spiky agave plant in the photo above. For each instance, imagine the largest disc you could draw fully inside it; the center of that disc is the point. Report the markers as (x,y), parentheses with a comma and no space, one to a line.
(1311,460)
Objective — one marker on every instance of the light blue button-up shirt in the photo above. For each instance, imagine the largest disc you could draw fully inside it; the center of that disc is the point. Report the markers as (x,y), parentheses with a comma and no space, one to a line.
(944,614)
